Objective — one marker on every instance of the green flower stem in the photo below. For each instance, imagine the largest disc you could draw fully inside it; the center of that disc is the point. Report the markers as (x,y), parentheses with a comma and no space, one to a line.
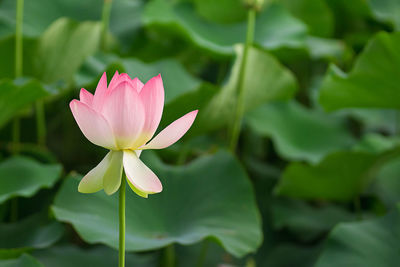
(105,21)
(18,38)
(122,222)
(235,130)
(18,67)
(40,123)
(169,256)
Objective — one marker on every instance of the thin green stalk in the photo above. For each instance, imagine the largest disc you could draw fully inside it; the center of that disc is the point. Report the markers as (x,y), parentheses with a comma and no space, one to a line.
(203,254)
(16,127)
(122,222)
(40,123)
(18,67)
(169,256)
(235,130)
(40,118)
(18,38)
(105,21)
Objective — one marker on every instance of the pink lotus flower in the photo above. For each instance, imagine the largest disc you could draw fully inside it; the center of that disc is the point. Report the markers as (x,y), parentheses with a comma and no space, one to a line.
(123,117)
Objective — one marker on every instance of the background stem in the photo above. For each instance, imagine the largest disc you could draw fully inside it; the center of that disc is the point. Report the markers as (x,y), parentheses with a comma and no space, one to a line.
(235,130)
(18,68)
(105,21)
(18,39)
(169,256)
(122,222)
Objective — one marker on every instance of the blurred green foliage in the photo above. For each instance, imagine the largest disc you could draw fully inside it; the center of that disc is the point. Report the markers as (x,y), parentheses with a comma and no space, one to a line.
(314,180)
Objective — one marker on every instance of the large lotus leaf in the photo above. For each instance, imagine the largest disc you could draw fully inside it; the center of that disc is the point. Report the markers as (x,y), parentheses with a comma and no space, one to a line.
(24,261)
(68,255)
(386,11)
(275,27)
(299,133)
(265,80)
(35,231)
(177,81)
(315,13)
(211,197)
(39,14)
(18,95)
(373,81)
(368,243)
(340,176)
(63,48)
(22,176)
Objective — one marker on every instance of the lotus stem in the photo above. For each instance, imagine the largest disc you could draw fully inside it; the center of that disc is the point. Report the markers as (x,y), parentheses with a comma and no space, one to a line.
(169,256)
(18,38)
(235,130)
(18,68)
(122,222)
(105,21)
